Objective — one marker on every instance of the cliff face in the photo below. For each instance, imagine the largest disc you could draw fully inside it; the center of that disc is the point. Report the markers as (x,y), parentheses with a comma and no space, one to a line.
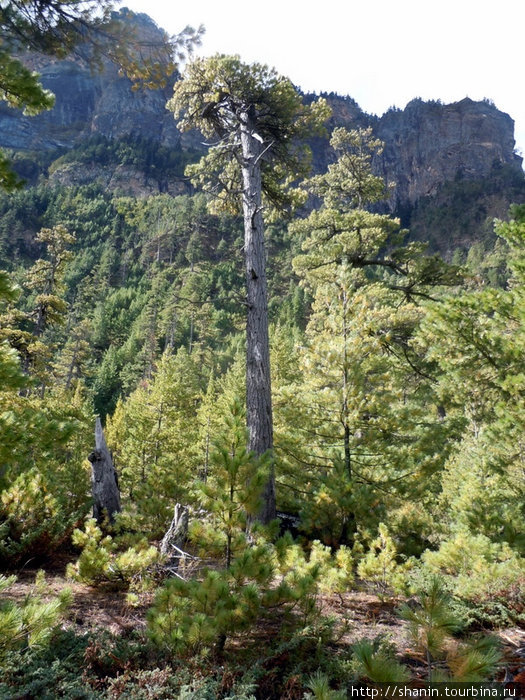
(86,104)
(93,100)
(426,145)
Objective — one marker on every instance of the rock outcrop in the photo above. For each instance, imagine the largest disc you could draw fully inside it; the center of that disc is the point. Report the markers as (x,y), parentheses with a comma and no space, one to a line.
(87,104)
(427,144)
(90,101)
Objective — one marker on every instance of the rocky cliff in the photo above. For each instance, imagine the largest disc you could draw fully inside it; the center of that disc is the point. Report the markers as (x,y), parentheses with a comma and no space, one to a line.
(427,145)
(88,102)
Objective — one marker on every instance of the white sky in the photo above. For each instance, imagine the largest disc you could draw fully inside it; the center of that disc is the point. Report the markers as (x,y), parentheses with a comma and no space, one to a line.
(380,52)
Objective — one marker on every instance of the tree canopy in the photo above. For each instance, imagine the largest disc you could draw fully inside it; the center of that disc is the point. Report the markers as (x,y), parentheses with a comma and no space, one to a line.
(212,98)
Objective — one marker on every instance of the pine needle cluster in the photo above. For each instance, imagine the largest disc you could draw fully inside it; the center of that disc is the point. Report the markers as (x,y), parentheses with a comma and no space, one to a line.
(30,623)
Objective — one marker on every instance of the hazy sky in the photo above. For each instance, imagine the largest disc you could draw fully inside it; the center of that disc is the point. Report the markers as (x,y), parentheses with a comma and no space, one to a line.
(380,52)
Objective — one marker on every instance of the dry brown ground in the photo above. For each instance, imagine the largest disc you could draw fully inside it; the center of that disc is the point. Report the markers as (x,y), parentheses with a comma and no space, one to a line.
(365,615)
(91,608)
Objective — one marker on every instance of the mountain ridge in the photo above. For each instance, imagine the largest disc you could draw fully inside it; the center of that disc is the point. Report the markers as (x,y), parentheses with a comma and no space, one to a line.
(427,144)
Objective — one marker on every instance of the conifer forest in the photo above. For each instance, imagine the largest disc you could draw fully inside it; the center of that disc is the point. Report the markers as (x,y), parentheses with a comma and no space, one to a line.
(258,439)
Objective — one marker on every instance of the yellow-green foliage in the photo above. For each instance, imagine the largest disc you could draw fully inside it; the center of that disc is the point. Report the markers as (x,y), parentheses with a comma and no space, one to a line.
(44,483)
(332,573)
(34,517)
(475,566)
(196,614)
(480,498)
(30,623)
(333,500)
(376,662)
(380,566)
(432,620)
(412,525)
(320,687)
(101,562)
(29,512)
(232,491)
(153,437)
(432,623)
(474,661)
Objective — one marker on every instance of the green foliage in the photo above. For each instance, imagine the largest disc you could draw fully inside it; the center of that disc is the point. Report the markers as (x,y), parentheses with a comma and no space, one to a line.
(328,572)
(110,665)
(343,232)
(380,565)
(212,96)
(475,661)
(375,661)
(28,330)
(196,615)
(232,491)
(433,620)
(397,397)
(320,687)
(432,624)
(11,376)
(29,624)
(360,423)
(44,483)
(101,562)
(33,520)
(465,208)
(476,568)
(154,160)
(22,89)
(475,339)
(152,436)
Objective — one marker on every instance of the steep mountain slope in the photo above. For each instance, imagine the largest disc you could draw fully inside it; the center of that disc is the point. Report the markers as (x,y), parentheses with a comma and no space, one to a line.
(102,130)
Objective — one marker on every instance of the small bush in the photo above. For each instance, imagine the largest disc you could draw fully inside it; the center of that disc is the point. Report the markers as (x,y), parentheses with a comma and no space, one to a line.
(433,621)
(33,520)
(381,568)
(101,563)
(487,578)
(332,572)
(375,661)
(29,624)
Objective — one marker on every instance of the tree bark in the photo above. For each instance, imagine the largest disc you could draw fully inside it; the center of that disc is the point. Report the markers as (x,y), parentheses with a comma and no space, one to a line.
(104,484)
(258,382)
(347,452)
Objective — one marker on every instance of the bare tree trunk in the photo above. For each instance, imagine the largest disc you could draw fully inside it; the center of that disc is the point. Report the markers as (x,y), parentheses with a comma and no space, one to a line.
(104,484)
(258,383)
(348,456)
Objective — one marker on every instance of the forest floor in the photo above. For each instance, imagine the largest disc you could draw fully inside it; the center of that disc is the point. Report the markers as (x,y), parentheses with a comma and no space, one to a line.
(365,615)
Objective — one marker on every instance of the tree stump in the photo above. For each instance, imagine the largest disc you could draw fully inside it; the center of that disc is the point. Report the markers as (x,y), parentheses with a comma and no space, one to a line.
(104,482)
(177,531)
(171,545)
